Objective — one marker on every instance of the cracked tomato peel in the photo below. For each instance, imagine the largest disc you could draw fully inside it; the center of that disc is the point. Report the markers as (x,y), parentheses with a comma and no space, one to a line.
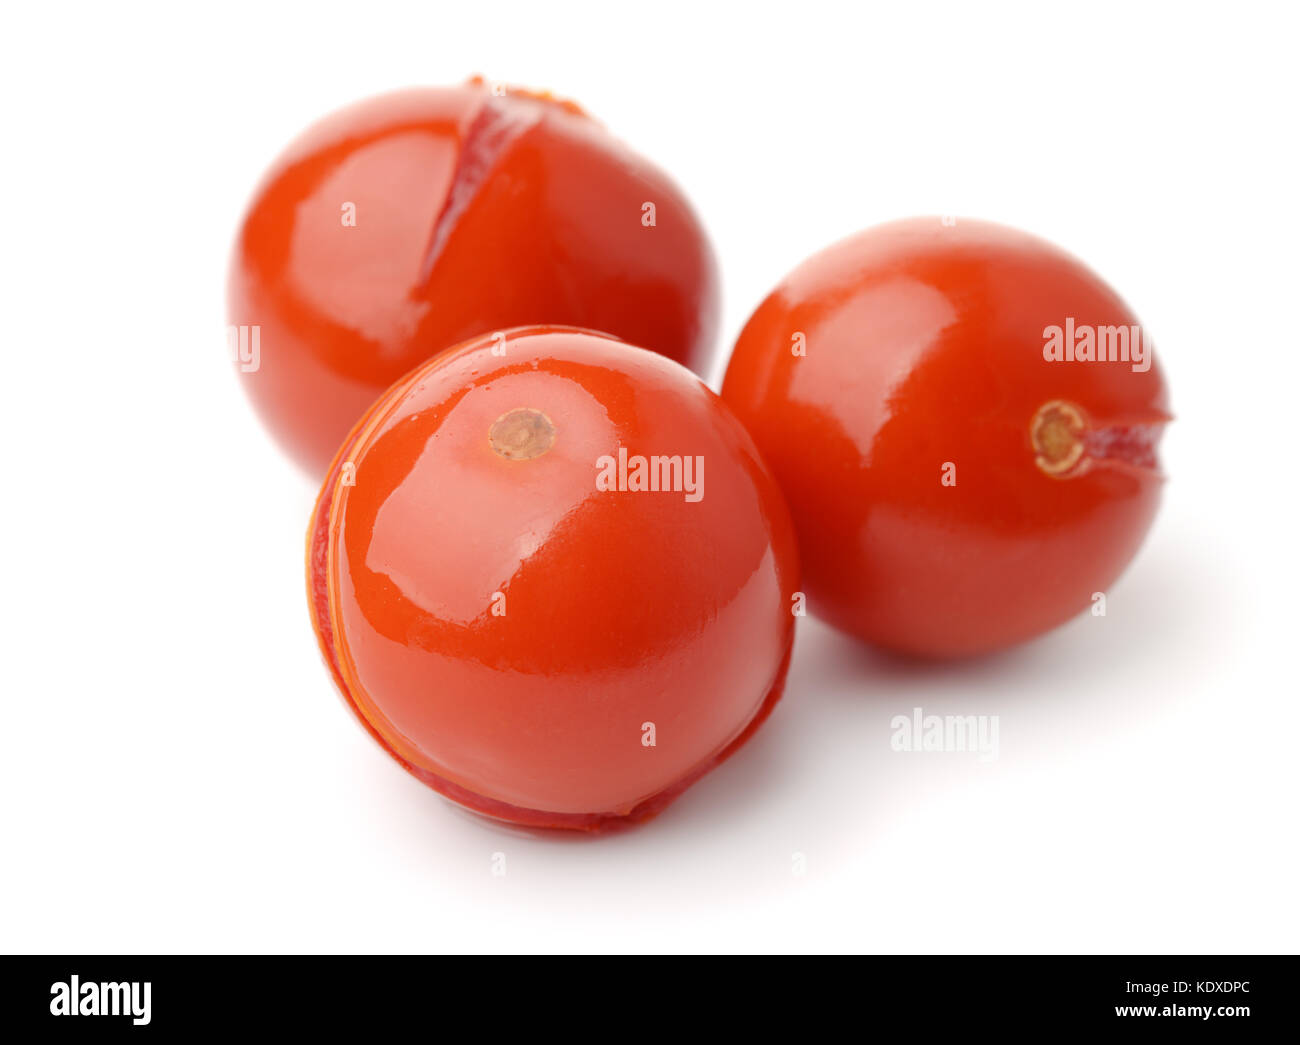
(506,629)
(472,211)
(923,348)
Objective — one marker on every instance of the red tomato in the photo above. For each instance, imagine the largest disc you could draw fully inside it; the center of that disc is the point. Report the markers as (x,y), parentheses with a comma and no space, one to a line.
(413,221)
(954,490)
(513,618)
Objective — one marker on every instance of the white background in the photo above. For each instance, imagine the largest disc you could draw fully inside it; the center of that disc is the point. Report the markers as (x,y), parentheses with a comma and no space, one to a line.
(176,772)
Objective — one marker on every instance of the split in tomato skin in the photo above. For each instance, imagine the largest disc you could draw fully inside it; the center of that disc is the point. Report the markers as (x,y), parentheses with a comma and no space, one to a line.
(509,631)
(954,490)
(415,220)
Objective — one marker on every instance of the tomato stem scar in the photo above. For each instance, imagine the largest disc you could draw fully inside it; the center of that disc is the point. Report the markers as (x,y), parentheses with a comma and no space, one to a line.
(522,434)
(1057,436)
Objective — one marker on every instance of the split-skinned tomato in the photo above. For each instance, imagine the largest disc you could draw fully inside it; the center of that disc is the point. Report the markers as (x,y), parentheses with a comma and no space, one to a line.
(553,578)
(413,221)
(964,420)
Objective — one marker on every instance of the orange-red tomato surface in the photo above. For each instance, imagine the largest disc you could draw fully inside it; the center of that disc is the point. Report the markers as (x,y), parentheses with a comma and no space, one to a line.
(410,222)
(954,490)
(521,627)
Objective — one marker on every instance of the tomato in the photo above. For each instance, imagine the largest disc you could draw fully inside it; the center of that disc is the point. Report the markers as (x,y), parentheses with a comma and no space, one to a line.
(413,221)
(956,488)
(556,584)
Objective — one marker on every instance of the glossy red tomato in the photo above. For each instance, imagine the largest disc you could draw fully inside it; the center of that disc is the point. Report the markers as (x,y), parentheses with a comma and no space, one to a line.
(955,490)
(555,584)
(410,222)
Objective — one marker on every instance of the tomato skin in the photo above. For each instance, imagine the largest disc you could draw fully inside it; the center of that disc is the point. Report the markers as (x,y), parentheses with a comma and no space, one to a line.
(620,608)
(925,346)
(473,213)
